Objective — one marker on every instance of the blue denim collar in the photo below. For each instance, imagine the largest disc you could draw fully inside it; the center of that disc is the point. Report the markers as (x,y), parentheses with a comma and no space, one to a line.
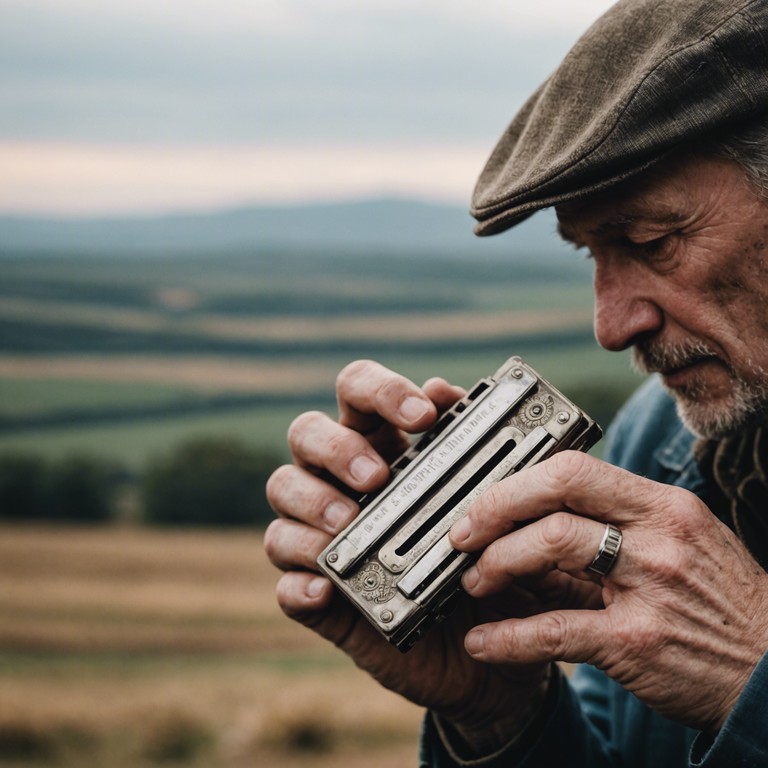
(676,455)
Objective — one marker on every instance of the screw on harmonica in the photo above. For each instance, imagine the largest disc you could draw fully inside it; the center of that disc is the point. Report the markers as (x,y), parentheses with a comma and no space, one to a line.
(517,373)
(332,557)
(386,616)
(563,417)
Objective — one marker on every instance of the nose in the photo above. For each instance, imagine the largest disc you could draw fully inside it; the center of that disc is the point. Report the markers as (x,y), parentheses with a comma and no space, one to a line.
(624,309)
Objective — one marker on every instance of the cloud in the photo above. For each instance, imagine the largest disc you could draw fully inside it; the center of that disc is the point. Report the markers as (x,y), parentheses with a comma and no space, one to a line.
(244,76)
(78,180)
(271,70)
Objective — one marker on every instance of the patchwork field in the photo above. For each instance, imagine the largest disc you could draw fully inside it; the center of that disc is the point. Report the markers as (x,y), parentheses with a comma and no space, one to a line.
(127,647)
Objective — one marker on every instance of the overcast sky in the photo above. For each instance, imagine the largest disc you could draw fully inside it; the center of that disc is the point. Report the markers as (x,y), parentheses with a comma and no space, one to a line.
(131,106)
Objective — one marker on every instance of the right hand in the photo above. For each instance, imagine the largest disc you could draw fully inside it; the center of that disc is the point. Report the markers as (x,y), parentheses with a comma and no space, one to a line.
(378,409)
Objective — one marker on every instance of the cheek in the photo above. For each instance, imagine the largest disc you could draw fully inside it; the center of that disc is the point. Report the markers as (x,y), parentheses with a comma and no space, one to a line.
(739,290)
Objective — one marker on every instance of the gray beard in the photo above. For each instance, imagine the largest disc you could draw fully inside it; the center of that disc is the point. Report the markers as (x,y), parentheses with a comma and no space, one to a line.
(704,416)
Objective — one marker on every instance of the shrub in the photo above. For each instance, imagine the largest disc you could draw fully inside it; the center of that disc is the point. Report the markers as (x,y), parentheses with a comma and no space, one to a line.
(77,488)
(82,488)
(208,481)
(23,483)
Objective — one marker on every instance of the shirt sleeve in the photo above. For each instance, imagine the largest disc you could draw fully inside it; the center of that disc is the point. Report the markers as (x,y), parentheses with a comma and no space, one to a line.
(743,739)
(563,736)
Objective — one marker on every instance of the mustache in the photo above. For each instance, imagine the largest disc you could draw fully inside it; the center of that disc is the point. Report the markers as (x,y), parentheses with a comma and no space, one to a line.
(654,356)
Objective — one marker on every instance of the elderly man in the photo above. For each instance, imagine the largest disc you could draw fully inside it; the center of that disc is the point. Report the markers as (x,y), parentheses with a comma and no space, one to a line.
(651,140)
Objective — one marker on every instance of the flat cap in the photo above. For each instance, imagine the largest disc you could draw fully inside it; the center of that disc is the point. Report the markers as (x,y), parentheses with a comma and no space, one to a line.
(647,77)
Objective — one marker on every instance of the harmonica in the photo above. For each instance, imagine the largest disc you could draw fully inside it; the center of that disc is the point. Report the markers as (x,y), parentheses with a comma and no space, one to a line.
(394,562)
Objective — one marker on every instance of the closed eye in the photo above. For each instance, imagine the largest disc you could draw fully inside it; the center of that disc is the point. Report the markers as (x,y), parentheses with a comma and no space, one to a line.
(657,251)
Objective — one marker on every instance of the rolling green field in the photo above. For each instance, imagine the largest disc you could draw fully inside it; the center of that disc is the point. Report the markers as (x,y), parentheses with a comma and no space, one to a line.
(123,358)
(135,440)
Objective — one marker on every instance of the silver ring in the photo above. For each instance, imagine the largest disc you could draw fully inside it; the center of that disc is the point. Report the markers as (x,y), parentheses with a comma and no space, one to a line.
(607,552)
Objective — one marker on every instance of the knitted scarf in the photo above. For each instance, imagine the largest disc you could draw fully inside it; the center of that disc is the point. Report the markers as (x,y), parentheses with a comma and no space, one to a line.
(738,465)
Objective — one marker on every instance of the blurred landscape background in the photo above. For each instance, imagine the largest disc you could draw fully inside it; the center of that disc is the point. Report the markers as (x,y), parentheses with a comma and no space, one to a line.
(205,212)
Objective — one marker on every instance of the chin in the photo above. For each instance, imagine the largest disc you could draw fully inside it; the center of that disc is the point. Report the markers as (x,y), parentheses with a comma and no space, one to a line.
(716,418)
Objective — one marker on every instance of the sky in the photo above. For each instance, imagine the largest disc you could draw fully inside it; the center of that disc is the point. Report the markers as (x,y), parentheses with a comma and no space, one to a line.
(123,107)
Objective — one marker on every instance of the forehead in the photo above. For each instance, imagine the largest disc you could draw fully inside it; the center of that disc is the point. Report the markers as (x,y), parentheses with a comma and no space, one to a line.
(668,194)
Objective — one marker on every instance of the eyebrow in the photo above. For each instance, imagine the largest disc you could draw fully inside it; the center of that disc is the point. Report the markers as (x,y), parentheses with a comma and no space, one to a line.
(619,223)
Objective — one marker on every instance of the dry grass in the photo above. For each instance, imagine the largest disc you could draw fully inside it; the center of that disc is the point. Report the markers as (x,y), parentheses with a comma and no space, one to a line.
(130,647)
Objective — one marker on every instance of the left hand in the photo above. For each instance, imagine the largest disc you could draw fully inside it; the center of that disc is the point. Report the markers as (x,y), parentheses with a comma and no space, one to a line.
(684,616)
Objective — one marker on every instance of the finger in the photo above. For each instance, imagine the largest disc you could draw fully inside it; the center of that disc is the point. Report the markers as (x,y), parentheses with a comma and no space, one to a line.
(573,636)
(561,542)
(443,394)
(370,394)
(312,601)
(296,493)
(570,481)
(317,441)
(290,545)
(301,594)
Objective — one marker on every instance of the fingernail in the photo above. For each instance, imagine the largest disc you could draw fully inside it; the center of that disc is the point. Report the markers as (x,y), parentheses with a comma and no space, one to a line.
(362,468)
(475,642)
(336,516)
(413,408)
(315,587)
(470,578)
(461,530)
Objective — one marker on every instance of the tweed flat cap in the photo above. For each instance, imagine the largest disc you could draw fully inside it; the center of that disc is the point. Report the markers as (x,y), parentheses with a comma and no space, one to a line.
(647,77)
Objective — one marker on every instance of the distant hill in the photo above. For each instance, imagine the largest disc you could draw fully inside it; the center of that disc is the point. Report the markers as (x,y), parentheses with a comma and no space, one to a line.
(367,227)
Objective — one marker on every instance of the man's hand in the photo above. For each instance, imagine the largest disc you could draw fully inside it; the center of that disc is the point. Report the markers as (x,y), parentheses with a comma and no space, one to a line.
(685,616)
(377,411)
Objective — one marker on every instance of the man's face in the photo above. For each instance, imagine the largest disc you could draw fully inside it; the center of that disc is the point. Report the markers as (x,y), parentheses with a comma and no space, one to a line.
(681,257)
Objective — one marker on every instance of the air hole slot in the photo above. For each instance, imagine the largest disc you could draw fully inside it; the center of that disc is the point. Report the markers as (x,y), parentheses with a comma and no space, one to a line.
(480,387)
(456,498)
(430,435)
(435,573)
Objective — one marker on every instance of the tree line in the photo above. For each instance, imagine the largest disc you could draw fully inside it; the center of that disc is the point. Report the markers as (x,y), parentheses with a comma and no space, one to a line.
(201,482)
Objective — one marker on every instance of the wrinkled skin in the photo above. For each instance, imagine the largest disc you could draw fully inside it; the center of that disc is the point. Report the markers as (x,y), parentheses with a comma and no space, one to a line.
(437,673)
(682,618)
(686,607)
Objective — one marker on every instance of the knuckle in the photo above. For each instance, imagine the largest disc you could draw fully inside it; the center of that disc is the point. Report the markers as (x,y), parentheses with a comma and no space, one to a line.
(301,425)
(293,546)
(390,390)
(557,529)
(672,562)
(271,538)
(568,467)
(338,448)
(508,640)
(552,634)
(491,503)
(491,560)
(685,511)
(351,372)
(285,593)
(278,482)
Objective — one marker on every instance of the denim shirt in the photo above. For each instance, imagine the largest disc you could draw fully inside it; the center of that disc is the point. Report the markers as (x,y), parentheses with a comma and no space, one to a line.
(592,721)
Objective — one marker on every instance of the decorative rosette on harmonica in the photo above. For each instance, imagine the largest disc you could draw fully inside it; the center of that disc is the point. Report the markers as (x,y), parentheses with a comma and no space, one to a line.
(394,562)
